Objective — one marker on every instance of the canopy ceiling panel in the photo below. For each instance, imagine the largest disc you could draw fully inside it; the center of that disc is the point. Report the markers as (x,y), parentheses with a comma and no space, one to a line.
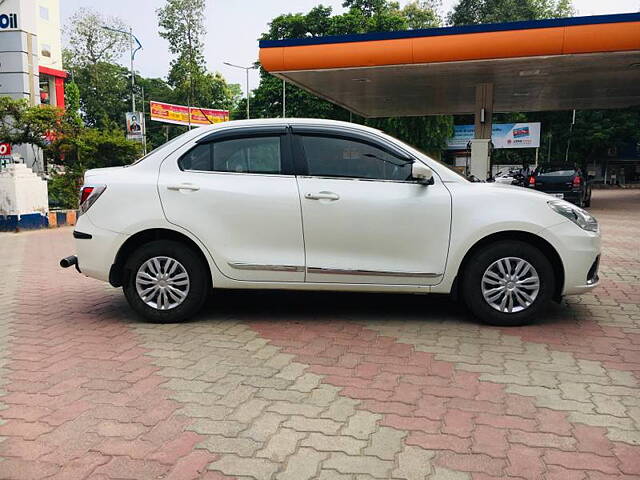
(582,63)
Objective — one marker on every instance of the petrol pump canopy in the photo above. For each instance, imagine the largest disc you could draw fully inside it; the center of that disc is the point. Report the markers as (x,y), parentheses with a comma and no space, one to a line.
(559,64)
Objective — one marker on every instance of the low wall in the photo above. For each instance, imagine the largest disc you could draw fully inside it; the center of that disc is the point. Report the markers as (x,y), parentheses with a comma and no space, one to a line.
(36,220)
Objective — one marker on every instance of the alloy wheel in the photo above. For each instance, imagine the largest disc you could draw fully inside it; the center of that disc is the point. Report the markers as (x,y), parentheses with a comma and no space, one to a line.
(510,285)
(162,283)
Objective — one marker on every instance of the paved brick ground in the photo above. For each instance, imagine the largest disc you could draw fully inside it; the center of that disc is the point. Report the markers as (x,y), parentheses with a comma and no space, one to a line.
(295,386)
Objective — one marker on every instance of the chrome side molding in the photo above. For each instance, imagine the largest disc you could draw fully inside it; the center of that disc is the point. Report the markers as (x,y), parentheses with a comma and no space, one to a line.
(266,268)
(372,273)
(330,271)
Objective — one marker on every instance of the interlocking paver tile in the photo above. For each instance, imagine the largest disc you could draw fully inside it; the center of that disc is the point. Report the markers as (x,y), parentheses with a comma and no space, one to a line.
(293,386)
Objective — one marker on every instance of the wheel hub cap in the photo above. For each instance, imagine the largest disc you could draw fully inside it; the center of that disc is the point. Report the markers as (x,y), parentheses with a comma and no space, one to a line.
(510,285)
(162,283)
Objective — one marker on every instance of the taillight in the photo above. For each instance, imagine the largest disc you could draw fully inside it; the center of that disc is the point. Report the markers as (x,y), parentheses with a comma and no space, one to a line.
(576,182)
(84,194)
(88,196)
(532,181)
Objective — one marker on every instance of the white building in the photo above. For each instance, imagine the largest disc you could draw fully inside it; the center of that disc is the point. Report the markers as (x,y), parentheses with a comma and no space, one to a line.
(31,57)
(30,67)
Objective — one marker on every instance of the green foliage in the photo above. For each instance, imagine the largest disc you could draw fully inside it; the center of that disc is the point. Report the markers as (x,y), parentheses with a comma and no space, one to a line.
(428,133)
(92,148)
(181,23)
(468,12)
(63,189)
(22,123)
(105,94)
(422,14)
(74,146)
(72,104)
(89,43)
(78,150)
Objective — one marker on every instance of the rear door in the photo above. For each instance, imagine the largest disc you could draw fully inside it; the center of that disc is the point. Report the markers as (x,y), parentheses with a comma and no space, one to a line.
(365,220)
(236,192)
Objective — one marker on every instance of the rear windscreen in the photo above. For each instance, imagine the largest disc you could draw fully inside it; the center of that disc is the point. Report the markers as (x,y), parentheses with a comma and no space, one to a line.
(557,173)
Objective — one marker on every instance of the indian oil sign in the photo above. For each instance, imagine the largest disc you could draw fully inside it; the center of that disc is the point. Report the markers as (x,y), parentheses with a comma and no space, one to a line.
(8,20)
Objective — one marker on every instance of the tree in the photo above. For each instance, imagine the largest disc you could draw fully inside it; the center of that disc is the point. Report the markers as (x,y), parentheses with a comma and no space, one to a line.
(105,90)
(81,149)
(65,140)
(469,12)
(89,43)
(182,25)
(422,14)
(21,123)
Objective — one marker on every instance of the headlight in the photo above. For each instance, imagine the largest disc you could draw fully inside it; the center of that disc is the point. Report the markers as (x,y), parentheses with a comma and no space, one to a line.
(575,214)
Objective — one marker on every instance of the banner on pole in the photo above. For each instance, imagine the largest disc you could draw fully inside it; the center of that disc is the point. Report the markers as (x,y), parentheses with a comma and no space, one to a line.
(504,135)
(179,114)
(135,126)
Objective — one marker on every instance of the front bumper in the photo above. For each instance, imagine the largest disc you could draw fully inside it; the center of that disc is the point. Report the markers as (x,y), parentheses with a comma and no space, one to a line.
(579,251)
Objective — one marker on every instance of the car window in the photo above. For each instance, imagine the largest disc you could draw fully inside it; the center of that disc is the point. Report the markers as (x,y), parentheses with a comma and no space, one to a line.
(557,173)
(239,155)
(198,158)
(340,157)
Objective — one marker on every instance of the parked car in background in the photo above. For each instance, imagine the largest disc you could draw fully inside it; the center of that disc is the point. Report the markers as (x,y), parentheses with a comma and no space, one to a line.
(323,205)
(563,182)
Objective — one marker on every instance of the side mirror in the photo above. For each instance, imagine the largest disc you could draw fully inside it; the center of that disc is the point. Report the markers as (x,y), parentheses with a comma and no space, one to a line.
(421,173)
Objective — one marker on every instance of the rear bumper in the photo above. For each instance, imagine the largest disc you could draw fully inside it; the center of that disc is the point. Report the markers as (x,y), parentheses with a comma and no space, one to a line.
(96,249)
(573,197)
(579,251)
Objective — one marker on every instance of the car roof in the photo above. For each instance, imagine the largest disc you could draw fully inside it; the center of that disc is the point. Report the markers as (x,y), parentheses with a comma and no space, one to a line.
(286,121)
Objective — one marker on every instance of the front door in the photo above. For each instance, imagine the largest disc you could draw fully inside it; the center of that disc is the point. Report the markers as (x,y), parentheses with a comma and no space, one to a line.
(365,220)
(238,195)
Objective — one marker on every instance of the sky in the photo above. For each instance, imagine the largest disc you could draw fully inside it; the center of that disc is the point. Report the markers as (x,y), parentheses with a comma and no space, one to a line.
(234,26)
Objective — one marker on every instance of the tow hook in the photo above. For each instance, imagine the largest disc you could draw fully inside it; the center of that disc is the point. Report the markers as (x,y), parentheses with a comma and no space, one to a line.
(69,261)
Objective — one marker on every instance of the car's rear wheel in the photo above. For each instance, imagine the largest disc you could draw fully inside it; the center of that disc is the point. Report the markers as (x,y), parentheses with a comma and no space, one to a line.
(166,281)
(508,283)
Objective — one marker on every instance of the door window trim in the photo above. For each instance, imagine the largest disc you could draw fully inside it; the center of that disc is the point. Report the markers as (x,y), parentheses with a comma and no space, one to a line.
(302,165)
(286,158)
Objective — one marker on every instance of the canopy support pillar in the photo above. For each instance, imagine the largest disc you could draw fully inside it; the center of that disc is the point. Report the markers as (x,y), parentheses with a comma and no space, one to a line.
(480,146)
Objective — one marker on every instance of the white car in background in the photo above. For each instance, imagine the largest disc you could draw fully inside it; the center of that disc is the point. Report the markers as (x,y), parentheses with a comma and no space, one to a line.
(323,205)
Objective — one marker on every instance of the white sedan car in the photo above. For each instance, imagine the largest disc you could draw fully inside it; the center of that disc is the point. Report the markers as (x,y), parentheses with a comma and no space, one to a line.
(323,205)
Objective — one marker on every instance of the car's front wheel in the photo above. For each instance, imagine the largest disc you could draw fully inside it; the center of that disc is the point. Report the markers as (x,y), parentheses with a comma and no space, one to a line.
(508,283)
(166,281)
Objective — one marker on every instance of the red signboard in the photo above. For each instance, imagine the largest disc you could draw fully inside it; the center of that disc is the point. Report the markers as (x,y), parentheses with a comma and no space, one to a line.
(5,149)
(183,115)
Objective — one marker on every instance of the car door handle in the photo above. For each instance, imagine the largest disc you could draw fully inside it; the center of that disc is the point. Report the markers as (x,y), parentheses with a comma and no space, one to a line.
(322,196)
(183,186)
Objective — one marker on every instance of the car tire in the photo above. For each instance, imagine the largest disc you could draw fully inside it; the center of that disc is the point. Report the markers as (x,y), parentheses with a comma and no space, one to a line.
(484,286)
(177,277)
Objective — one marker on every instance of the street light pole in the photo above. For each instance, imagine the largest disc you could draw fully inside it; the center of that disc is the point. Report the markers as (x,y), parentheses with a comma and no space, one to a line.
(133,81)
(132,37)
(246,69)
(248,109)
